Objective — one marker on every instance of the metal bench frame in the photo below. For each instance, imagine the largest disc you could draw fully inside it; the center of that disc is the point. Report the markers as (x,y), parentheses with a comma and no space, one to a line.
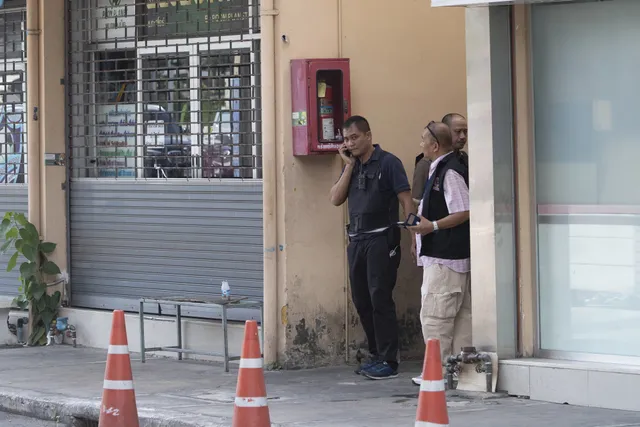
(178,303)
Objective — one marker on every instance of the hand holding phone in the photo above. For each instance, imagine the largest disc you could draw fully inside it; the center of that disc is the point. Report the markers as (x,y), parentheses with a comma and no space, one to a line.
(345,154)
(411,221)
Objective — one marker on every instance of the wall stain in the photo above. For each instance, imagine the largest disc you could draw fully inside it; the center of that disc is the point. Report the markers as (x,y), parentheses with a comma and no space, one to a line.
(315,336)
(303,336)
(315,343)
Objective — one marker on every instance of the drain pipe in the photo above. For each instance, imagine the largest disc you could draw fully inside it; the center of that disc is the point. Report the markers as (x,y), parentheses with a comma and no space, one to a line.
(345,221)
(33,113)
(269,175)
(470,356)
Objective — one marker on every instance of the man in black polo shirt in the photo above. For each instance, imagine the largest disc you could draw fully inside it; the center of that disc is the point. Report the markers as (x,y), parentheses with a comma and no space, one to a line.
(375,183)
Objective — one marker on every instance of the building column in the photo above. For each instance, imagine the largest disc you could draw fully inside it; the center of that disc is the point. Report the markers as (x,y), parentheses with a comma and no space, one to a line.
(46,120)
(525,193)
(493,275)
(53,102)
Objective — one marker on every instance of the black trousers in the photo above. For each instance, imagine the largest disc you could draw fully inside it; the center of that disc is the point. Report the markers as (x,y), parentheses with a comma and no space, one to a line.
(373,270)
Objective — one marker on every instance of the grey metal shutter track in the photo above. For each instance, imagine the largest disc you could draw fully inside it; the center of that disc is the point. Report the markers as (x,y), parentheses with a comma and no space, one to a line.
(13,198)
(144,239)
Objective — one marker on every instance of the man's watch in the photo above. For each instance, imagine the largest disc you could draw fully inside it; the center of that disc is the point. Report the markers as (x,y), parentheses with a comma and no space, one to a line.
(435,226)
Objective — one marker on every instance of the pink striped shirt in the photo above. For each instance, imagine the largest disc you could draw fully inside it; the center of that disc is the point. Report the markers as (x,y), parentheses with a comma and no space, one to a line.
(456,195)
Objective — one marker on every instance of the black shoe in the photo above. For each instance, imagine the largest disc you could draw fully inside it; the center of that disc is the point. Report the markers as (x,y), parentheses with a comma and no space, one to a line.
(371,361)
(380,371)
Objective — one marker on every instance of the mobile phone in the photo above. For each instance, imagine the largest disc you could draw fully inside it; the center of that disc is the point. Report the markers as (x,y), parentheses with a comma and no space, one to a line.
(412,220)
(347,153)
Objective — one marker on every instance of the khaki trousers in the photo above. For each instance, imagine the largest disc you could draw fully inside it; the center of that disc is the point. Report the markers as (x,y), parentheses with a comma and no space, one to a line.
(446,308)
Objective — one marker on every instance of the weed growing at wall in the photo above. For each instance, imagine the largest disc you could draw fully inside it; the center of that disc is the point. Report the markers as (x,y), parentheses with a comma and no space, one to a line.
(23,239)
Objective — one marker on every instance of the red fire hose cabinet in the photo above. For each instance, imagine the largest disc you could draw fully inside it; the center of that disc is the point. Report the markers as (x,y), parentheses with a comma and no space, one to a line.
(320,104)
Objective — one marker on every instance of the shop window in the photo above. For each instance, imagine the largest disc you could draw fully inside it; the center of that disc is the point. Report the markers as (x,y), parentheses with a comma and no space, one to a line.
(13,132)
(12,34)
(166,101)
(586,149)
(13,143)
(161,90)
(163,19)
(114,153)
(225,94)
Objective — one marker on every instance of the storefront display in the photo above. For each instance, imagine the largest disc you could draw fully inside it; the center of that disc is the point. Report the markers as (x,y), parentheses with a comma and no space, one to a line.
(13,123)
(163,105)
(116,140)
(586,147)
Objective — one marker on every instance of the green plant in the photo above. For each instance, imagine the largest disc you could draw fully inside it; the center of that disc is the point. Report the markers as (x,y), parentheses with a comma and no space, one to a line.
(23,236)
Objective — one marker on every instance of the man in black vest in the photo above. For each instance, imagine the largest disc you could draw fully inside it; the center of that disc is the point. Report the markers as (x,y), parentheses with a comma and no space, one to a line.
(445,244)
(458,125)
(375,183)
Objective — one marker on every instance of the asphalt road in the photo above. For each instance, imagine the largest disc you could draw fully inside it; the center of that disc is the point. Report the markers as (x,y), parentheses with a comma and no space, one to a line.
(10,420)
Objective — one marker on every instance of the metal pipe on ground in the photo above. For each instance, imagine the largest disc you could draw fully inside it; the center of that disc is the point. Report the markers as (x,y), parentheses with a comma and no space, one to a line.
(469,356)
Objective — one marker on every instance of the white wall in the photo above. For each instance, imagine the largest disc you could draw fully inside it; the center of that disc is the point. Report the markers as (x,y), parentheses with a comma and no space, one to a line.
(93,329)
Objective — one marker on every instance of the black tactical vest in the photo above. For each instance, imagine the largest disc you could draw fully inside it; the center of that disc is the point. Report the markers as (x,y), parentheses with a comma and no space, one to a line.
(371,205)
(451,243)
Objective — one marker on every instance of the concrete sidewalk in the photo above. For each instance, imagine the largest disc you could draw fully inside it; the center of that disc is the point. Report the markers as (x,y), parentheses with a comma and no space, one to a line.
(64,382)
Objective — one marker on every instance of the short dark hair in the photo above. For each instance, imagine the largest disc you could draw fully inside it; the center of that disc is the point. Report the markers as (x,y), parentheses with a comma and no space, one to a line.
(448,118)
(361,123)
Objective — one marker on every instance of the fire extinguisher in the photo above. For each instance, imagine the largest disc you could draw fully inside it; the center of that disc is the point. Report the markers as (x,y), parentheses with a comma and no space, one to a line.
(326,112)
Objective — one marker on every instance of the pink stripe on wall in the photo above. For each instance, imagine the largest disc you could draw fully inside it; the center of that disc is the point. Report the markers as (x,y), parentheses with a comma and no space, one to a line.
(588,210)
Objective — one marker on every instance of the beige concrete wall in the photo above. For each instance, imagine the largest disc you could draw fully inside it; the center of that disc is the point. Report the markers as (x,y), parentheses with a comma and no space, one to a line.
(52,107)
(47,194)
(408,67)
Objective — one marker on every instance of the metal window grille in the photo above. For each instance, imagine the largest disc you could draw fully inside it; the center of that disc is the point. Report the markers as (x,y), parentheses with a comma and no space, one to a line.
(13,97)
(164,89)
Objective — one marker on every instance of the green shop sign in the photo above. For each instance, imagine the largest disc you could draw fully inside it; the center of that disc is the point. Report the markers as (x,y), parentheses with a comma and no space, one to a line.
(178,18)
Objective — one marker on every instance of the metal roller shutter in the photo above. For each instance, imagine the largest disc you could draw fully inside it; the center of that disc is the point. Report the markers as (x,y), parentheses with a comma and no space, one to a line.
(13,132)
(165,151)
(134,239)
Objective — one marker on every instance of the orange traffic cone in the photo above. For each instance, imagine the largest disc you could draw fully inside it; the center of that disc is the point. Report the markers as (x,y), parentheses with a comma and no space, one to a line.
(432,402)
(118,397)
(251,408)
